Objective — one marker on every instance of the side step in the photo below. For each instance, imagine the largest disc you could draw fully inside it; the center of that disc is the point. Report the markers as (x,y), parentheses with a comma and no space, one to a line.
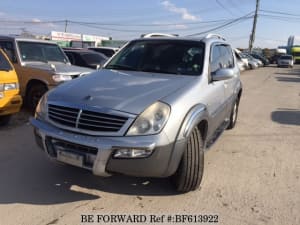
(217,134)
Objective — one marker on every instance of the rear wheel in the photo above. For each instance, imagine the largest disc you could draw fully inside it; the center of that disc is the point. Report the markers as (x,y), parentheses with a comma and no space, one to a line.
(34,94)
(4,120)
(190,171)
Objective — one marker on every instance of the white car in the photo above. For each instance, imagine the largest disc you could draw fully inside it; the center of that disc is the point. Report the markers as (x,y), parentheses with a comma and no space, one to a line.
(285,61)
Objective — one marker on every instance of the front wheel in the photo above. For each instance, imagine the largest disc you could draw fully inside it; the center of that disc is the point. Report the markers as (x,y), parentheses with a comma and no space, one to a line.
(190,171)
(34,94)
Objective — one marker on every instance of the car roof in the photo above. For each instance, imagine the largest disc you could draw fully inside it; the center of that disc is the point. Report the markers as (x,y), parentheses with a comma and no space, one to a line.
(206,39)
(104,47)
(83,51)
(20,38)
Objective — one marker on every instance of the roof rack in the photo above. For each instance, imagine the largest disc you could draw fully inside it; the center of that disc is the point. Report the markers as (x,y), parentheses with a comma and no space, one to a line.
(158,35)
(216,36)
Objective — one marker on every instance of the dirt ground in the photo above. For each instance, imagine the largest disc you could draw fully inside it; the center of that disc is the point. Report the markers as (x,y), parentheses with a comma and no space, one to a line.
(251,174)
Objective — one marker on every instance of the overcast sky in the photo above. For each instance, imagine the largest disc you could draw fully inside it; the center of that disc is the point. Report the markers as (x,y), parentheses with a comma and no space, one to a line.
(129,19)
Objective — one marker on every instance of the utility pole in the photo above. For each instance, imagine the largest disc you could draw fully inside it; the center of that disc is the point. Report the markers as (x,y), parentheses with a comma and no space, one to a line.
(66,25)
(252,35)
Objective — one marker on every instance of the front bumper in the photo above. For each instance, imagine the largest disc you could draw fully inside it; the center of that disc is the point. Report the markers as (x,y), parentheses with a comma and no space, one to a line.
(11,105)
(97,152)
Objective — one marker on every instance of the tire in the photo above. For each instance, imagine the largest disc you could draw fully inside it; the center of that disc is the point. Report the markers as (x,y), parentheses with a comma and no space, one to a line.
(233,115)
(190,171)
(4,120)
(34,94)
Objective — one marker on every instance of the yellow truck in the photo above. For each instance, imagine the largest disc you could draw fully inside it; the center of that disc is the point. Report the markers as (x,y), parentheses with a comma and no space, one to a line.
(296,53)
(40,65)
(10,100)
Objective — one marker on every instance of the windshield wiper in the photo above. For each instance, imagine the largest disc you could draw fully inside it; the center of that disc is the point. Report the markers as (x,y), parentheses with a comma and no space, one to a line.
(120,67)
(156,71)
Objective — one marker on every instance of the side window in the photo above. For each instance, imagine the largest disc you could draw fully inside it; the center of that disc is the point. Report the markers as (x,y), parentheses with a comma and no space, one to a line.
(4,64)
(8,48)
(71,57)
(216,59)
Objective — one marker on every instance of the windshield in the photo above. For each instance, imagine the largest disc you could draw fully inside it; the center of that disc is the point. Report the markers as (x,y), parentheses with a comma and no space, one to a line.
(161,56)
(92,59)
(286,57)
(43,52)
(4,64)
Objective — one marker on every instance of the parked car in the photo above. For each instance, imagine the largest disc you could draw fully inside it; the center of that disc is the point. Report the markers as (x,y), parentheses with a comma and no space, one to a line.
(86,58)
(241,56)
(10,100)
(107,51)
(264,60)
(242,64)
(252,63)
(251,58)
(285,61)
(150,112)
(40,66)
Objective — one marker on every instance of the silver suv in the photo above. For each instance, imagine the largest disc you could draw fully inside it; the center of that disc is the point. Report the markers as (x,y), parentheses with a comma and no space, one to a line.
(151,111)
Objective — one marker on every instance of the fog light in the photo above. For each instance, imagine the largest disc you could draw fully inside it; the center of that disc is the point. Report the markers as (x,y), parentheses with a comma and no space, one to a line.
(132,153)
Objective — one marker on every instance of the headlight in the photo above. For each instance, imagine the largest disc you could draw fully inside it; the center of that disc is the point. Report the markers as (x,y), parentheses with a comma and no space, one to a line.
(1,91)
(151,121)
(11,86)
(42,108)
(84,74)
(61,77)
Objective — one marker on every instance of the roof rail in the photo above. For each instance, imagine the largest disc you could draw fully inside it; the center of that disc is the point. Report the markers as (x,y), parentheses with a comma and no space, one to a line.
(158,35)
(216,36)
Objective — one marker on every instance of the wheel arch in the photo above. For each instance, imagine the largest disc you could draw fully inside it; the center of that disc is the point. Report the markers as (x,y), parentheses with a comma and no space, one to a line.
(196,117)
(33,82)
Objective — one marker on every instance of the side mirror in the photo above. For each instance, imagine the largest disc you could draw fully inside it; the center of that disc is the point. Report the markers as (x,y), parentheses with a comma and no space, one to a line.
(223,74)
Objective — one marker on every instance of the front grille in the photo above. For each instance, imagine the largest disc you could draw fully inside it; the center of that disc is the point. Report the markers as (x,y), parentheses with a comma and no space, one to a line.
(86,120)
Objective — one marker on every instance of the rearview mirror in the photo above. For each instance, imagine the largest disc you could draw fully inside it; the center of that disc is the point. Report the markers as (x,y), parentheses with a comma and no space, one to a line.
(223,74)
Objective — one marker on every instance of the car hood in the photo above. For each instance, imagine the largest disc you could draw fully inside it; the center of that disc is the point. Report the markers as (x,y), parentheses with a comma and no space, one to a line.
(59,68)
(124,91)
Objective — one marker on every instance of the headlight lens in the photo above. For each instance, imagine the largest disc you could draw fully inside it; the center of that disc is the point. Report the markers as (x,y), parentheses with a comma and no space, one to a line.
(151,121)
(42,108)
(61,77)
(11,86)
(1,91)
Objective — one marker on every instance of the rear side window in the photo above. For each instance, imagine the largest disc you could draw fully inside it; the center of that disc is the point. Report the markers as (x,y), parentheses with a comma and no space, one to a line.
(8,48)
(4,64)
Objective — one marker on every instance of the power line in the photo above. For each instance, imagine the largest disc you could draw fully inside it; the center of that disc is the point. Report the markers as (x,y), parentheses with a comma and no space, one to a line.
(278,12)
(245,17)
(226,9)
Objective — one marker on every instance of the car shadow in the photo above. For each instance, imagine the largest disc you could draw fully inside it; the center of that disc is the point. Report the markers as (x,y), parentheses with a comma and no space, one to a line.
(288,79)
(28,176)
(291,73)
(286,116)
(289,76)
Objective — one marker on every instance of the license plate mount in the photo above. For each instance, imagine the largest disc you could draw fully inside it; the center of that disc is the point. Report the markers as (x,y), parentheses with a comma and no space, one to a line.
(70,158)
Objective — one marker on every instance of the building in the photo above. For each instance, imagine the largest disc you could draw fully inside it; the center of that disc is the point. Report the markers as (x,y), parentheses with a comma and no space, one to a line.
(77,40)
